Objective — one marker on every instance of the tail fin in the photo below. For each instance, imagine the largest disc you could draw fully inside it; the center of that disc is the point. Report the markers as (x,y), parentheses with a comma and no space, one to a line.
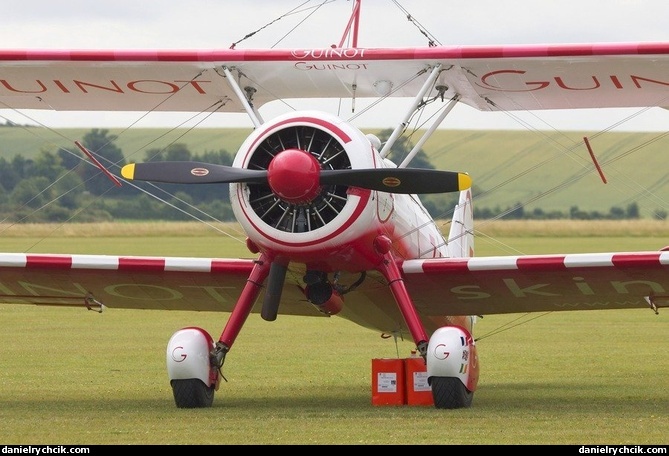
(461,235)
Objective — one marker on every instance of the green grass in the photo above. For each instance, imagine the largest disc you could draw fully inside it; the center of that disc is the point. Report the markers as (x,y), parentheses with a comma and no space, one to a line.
(75,377)
(69,376)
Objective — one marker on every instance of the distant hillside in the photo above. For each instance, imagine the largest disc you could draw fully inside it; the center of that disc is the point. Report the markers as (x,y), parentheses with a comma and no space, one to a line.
(547,170)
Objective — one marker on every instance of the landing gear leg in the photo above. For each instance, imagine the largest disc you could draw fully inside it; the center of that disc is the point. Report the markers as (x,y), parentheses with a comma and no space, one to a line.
(240,312)
(194,362)
(399,290)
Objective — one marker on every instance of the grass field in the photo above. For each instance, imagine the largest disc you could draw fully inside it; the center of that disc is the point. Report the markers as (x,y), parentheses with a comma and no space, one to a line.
(69,376)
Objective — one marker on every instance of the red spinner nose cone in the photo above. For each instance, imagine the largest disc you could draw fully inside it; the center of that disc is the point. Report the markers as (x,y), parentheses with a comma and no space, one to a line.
(293,176)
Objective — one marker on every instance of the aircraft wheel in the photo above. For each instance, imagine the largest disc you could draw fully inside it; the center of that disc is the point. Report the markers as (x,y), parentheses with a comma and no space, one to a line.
(450,393)
(192,393)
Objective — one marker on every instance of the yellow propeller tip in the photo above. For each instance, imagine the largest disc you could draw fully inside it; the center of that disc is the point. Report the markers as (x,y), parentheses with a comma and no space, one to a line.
(128,171)
(464,181)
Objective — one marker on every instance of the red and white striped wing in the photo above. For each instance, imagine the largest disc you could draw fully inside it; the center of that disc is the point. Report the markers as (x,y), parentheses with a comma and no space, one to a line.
(167,283)
(489,78)
(538,283)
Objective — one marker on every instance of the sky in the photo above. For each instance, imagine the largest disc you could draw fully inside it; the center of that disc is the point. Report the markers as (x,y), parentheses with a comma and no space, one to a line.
(217,24)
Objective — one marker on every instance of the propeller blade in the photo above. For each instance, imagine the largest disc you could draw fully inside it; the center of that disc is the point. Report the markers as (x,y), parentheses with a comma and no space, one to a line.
(398,180)
(391,180)
(189,172)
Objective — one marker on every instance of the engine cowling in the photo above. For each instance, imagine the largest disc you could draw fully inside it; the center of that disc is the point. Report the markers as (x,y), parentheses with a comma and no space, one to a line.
(294,214)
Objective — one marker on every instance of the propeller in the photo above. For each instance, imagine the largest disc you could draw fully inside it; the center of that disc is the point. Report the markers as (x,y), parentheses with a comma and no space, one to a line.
(296,175)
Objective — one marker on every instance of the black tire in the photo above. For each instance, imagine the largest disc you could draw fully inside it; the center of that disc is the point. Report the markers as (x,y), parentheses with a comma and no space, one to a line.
(450,393)
(192,393)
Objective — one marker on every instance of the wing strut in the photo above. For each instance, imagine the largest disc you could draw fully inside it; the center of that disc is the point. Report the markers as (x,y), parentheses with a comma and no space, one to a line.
(428,133)
(253,114)
(419,97)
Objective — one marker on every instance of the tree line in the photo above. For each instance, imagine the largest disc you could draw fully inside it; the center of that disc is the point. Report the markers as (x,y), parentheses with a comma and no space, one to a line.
(58,186)
(517,212)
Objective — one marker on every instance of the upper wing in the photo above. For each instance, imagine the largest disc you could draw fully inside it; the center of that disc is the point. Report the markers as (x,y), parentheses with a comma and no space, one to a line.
(485,77)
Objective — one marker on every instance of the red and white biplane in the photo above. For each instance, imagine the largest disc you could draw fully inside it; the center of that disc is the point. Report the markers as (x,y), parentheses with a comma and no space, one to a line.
(337,227)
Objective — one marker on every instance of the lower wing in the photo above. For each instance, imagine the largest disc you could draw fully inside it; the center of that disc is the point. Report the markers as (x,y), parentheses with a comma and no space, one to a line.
(439,287)
(128,282)
(540,283)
